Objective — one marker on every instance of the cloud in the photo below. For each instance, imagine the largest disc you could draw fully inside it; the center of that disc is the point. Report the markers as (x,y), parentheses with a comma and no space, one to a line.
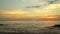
(13,12)
(53,6)
(43,4)
(30,0)
(24,0)
(49,10)
(35,0)
(32,12)
(17,13)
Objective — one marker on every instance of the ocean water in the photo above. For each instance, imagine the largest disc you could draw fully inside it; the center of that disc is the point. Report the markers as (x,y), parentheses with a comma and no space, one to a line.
(28,26)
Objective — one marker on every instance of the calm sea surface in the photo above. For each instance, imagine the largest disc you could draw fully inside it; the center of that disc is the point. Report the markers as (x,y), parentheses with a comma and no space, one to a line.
(30,23)
(28,26)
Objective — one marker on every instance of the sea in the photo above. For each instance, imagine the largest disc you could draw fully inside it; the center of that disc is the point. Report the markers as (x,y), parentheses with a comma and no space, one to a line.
(29,27)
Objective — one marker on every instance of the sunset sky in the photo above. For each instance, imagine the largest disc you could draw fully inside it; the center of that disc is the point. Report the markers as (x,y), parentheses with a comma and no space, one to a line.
(17,9)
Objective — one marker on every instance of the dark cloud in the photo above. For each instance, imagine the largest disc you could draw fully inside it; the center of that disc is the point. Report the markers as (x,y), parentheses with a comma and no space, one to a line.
(43,4)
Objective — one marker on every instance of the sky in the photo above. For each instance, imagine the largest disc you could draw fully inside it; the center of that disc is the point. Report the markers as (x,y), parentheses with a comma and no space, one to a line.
(37,8)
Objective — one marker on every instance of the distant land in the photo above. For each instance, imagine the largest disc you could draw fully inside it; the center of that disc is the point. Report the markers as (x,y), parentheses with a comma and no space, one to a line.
(30,19)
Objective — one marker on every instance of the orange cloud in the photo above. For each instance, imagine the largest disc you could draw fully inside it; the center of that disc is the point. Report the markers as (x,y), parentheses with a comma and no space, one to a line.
(13,12)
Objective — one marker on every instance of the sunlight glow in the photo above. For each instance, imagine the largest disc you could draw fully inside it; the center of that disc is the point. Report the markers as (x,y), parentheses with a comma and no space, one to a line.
(53,6)
(14,12)
(49,16)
